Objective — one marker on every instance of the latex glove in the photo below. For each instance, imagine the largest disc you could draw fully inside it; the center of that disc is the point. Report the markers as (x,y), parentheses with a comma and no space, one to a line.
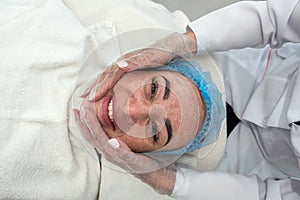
(162,180)
(117,152)
(160,53)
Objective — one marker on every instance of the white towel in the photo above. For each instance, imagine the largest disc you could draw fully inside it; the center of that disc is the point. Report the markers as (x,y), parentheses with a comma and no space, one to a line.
(41,47)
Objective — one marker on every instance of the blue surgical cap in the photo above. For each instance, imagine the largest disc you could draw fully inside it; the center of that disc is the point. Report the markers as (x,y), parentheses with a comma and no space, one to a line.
(212,97)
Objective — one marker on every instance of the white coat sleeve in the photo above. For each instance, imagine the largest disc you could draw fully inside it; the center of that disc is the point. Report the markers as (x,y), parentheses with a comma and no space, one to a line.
(248,24)
(194,185)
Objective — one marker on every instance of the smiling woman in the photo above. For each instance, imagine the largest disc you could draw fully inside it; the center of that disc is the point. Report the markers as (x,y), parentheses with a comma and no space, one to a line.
(170,114)
(46,156)
(148,111)
(170,110)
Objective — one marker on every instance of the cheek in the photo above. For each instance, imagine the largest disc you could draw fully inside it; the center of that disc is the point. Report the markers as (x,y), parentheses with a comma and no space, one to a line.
(176,121)
(174,114)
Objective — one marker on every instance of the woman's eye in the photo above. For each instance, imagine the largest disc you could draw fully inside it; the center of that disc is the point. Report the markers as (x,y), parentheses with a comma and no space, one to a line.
(155,138)
(155,131)
(154,87)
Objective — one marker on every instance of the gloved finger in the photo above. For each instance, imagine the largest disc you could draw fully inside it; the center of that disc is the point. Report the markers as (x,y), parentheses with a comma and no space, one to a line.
(95,127)
(144,168)
(110,75)
(88,90)
(99,139)
(101,144)
(140,59)
(113,150)
(78,120)
(146,58)
(106,82)
(120,160)
(126,155)
(130,161)
(84,129)
(129,62)
(160,53)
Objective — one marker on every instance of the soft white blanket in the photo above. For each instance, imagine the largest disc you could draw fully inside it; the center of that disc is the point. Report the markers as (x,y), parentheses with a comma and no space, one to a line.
(41,47)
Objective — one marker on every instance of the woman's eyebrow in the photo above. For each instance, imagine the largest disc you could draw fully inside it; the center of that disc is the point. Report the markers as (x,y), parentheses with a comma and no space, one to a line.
(169,130)
(167,88)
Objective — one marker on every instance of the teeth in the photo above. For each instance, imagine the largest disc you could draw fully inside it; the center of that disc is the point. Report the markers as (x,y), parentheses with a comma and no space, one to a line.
(110,111)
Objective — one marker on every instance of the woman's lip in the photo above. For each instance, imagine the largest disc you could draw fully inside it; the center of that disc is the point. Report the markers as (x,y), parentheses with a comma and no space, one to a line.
(105,116)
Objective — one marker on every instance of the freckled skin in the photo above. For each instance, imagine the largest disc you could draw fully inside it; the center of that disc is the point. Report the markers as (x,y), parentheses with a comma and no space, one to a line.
(134,109)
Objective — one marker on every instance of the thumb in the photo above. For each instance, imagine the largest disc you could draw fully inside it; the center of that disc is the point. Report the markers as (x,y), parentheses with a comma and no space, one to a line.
(124,154)
(123,151)
(135,162)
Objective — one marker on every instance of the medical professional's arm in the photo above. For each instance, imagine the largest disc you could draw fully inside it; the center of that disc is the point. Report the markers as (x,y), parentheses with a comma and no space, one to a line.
(249,24)
(218,185)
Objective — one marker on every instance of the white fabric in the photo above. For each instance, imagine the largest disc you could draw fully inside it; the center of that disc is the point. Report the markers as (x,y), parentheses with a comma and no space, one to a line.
(126,15)
(264,147)
(42,46)
(257,24)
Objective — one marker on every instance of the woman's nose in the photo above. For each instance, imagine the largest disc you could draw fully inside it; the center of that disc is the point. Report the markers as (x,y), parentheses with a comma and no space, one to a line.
(138,109)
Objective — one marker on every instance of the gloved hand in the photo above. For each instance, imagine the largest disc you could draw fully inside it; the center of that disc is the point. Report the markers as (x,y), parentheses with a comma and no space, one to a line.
(117,152)
(160,53)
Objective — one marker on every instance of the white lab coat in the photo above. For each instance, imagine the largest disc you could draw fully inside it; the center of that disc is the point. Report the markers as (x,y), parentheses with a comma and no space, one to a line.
(263,151)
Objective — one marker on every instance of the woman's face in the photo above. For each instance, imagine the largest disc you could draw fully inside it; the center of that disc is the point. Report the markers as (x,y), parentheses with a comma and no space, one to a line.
(152,110)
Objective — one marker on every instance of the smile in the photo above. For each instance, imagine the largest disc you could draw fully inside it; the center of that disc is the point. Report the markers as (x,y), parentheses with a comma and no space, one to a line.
(107,112)
(110,111)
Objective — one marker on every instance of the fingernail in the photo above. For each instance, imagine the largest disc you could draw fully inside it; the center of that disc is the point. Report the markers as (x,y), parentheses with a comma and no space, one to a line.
(122,64)
(114,143)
